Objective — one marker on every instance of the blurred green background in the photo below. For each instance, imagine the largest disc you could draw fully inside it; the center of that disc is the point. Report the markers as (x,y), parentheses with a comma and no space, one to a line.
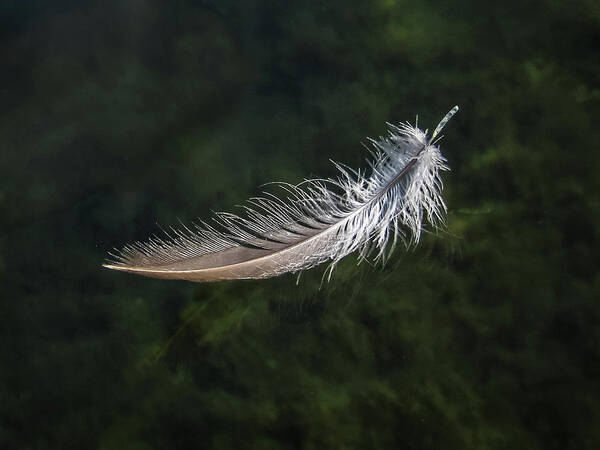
(118,115)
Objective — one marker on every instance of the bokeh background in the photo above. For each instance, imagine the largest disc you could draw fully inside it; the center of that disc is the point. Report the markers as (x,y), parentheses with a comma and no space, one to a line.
(116,116)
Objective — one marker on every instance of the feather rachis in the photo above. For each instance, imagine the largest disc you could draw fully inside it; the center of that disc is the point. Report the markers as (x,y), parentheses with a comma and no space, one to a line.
(319,220)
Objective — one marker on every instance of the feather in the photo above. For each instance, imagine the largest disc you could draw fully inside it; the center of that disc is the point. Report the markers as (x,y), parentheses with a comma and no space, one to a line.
(317,221)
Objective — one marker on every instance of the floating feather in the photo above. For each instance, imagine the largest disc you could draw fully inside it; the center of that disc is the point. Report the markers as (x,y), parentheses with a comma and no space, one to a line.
(317,222)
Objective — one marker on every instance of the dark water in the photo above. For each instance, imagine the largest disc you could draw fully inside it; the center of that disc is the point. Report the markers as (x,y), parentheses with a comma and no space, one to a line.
(118,115)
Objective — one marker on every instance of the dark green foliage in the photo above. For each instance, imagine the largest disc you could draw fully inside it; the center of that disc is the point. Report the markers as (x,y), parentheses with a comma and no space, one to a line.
(117,115)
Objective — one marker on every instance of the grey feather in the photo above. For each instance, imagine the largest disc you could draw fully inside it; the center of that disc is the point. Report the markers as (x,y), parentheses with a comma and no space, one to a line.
(318,221)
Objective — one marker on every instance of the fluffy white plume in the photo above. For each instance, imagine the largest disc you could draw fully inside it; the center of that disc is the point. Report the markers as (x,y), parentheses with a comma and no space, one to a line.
(318,221)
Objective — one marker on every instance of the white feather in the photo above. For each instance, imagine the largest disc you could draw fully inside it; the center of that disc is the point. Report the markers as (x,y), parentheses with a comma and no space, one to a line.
(319,220)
